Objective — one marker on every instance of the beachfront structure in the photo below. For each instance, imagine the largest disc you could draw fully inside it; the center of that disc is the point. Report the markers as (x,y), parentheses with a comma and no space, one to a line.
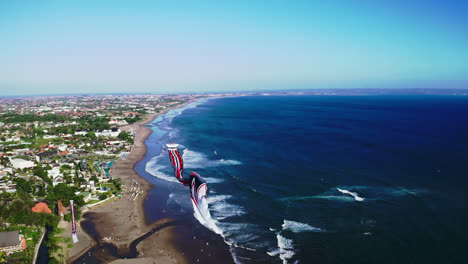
(11,242)
(113,132)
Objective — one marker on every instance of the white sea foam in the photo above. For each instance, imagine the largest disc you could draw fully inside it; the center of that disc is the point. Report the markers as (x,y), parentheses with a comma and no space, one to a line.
(285,249)
(298,227)
(155,169)
(195,160)
(241,235)
(355,195)
(202,214)
(213,180)
(217,198)
(223,210)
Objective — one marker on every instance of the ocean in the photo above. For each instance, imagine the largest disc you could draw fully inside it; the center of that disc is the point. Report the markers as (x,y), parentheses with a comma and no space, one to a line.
(321,179)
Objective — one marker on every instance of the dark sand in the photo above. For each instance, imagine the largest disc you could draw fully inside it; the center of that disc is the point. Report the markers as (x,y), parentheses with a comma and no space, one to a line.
(121,221)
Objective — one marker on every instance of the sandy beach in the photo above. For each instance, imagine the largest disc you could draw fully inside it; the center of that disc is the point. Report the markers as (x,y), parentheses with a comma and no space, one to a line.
(122,220)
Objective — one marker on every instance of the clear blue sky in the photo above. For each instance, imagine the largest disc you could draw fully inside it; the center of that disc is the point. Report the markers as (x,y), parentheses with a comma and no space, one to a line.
(184,46)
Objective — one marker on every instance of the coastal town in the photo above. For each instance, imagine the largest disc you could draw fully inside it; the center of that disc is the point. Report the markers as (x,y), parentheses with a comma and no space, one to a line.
(58,149)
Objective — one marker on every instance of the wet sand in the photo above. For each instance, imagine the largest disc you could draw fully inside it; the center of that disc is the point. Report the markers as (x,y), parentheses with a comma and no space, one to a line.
(122,220)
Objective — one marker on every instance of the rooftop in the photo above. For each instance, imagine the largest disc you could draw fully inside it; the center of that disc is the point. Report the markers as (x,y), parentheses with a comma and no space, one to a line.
(8,239)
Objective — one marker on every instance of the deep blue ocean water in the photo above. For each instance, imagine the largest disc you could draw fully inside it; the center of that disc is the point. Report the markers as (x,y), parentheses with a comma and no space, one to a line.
(325,179)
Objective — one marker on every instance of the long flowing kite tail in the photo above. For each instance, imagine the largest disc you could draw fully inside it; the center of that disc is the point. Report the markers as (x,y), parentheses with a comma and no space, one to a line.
(75,238)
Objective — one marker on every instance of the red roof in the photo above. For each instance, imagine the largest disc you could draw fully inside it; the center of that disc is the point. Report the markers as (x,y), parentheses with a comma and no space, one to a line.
(23,243)
(41,208)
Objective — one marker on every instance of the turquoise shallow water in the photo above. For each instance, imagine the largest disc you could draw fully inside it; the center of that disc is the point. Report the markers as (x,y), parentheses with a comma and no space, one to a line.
(324,179)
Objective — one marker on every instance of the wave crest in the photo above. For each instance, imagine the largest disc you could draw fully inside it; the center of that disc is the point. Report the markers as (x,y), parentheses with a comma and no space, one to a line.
(298,227)
(196,160)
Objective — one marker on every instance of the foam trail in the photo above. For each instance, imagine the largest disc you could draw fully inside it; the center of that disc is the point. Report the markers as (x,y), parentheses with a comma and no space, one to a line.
(407,191)
(223,210)
(298,227)
(325,197)
(356,197)
(196,160)
(204,217)
(217,198)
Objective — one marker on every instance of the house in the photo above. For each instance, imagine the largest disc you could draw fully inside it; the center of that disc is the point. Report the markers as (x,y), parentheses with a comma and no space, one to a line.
(46,155)
(11,242)
(56,175)
(118,122)
(62,147)
(7,186)
(57,180)
(81,132)
(113,141)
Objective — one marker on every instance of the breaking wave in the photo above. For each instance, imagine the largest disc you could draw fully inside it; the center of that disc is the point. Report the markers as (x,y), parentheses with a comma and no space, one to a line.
(217,198)
(223,210)
(371,193)
(202,214)
(298,227)
(196,160)
(355,195)
(156,169)
(285,249)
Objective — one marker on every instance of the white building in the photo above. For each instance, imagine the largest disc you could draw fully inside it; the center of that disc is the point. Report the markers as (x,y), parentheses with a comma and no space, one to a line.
(62,147)
(21,163)
(81,133)
(108,133)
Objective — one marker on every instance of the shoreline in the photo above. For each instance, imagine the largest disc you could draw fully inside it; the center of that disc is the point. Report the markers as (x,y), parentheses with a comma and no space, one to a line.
(121,221)
(123,231)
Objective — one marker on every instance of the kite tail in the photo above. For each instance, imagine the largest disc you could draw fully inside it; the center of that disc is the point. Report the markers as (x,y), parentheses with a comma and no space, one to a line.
(75,238)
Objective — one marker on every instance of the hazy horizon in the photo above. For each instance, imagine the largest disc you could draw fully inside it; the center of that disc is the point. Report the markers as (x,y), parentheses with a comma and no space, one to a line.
(185,46)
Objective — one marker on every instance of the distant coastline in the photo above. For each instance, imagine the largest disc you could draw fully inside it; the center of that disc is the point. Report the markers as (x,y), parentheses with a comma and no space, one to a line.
(299,91)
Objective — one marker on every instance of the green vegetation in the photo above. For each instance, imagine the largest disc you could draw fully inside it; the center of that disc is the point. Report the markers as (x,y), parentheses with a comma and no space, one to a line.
(94,123)
(32,236)
(133,120)
(35,184)
(126,137)
(92,201)
(27,118)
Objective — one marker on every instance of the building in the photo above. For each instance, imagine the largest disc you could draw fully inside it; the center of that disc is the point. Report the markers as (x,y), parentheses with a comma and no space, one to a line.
(7,186)
(46,155)
(21,163)
(81,132)
(113,132)
(11,242)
